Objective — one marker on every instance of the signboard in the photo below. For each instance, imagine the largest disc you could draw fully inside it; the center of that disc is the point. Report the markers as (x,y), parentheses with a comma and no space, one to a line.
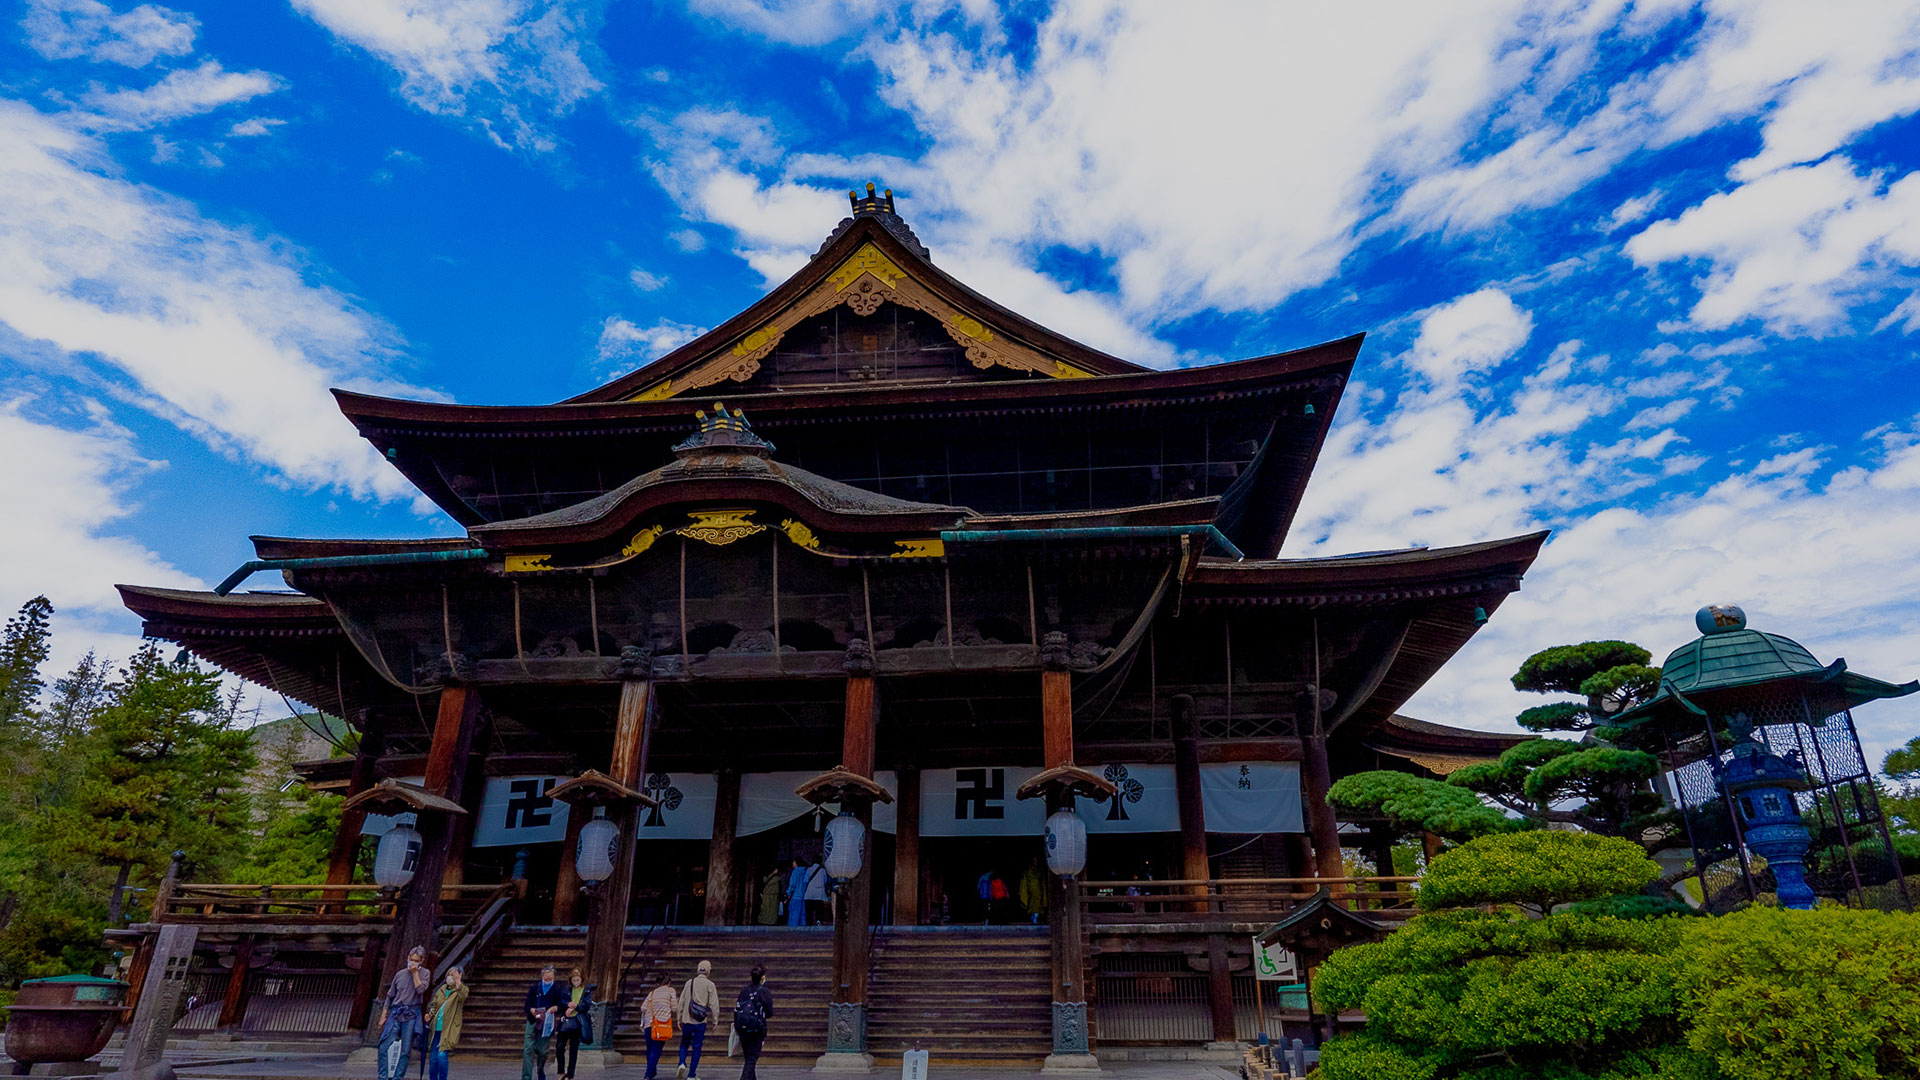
(683,806)
(1271,963)
(979,802)
(1146,799)
(1249,797)
(516,810)
(767,801)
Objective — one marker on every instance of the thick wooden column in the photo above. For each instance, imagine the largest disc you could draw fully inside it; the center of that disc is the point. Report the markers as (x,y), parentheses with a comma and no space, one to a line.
(367,987)
(607,914)
(417,915)
(906,846)
(720,909)
(1071,1045)
(847,1013)
(566,884)
(346,841)
(473,789)
(1317,776)
(233,1005)
(1186,782)
(1220,989)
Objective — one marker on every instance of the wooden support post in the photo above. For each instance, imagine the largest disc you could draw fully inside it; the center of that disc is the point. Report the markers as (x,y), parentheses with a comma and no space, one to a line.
(234,1004)
(607,912)
(852,941)
(1317,776)
(367,987)
(1430,846)
(566,884)
(346,840)
(1071,1046)
(416,918)
(473,789)
(1220,989)
(726,821)
(906,847)
(1186,783)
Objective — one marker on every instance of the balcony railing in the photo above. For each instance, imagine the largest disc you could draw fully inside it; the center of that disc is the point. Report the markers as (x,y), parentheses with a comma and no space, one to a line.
(1237,899)
(201,902)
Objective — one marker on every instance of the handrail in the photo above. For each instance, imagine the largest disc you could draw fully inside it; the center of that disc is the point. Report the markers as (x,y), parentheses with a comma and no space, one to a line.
(480,931)
(1198,899)
(1315,882)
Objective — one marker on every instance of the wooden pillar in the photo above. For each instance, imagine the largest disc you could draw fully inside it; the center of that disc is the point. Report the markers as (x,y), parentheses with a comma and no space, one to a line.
(1317,776)
(906,847)
(1430,846)
(1186,783)
(607,910)
(1220,989)
(1071,1045)
(346,840)
(726,821)
(566,884)
(416,918)
(473,789)
(852,903)
(233,1005)
(367,987)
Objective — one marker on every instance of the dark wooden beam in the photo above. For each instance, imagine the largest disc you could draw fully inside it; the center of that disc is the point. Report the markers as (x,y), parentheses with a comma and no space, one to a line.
(726,821)
(566,884)
(417,914)
(607,914)
(234,1004)
(346,840)
(906,846)
(1220,989)
(1186,781)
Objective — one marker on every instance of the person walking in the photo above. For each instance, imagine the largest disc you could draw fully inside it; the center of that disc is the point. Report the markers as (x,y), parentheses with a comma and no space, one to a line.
(769,908)
(444,1011)
(400,1015)
(657,1010)
(576,1026)
(542,1007)
(699,1005)
(1033,891)
(817,914)
(751,1011)
(797,894)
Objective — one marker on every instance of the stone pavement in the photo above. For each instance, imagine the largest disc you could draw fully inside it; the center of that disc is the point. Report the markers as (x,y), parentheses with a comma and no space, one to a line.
(334,1067)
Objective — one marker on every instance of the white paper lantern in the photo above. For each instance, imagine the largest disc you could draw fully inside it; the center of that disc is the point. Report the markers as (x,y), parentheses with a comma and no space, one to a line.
(1066,843)
(399,852)
(599,844)
(846,847)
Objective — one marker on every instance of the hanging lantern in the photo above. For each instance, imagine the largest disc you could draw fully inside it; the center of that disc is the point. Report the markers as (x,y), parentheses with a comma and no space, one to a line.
(599,844)
(846,846)
(1066,843)
(399,852)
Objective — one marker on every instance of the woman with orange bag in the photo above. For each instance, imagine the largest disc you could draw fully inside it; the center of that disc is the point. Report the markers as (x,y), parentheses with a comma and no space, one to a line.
(657,1010)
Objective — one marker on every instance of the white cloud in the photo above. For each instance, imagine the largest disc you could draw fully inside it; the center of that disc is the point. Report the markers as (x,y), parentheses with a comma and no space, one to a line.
(1823,556)
(508,65)
(794,22)
(646,282)
(1795,249)
(69,29)
(624,344)
(687,240)
(211,327)
(183,93)
(1469,335)
(254,127)
(1634,209)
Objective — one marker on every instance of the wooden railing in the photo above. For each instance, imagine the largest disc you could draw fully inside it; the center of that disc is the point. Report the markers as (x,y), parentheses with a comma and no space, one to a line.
(477,936)
(1236,899)
(201,902)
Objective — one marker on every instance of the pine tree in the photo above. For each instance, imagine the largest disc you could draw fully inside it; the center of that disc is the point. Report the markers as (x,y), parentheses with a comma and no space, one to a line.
(23,648)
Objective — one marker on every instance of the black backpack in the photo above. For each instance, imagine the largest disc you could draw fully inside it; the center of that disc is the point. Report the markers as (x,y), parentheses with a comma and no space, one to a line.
(749,1015)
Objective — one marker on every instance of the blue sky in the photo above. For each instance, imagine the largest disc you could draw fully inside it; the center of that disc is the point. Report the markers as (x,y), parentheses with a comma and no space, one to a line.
(1647,274)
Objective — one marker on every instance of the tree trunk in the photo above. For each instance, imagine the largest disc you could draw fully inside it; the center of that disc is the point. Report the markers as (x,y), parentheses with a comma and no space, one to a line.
(118,898)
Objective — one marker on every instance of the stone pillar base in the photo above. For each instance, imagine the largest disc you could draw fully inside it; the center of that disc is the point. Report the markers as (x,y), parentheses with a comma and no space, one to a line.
(600,1059)
(367,1056)
(844,1063)
(1082,1064)
(1070,1030)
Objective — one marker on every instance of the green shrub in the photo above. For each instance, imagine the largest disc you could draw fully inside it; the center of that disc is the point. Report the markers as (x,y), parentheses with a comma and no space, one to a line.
(1831,993)
(1540,869)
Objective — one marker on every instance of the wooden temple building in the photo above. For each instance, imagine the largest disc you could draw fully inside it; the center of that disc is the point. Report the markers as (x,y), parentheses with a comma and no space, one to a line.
(931,565)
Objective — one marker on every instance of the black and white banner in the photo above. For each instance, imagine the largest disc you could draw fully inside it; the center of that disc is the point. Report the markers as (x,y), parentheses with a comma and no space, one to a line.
(1249,797)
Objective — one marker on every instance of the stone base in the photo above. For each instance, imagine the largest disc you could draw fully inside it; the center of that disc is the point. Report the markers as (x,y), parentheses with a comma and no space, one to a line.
(600,1059)
(1070,1065)
(63,1068)
(844,1063)
(365,1056)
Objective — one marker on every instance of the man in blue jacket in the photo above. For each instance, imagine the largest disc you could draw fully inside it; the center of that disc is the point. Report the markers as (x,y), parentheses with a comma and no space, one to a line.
(546,999)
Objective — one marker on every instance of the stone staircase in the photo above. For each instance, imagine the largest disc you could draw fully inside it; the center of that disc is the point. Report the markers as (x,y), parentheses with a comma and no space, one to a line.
(968,995)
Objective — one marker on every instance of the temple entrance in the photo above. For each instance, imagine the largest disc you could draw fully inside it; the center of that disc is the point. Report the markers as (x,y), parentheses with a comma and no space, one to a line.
(669,883)
(959,869)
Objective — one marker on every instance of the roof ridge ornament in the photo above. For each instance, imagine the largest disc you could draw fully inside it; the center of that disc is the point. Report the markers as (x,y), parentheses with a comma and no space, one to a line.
(722,429)
(880,208)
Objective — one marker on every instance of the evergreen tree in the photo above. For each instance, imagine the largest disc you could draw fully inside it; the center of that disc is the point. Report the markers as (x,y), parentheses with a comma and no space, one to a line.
(23,648)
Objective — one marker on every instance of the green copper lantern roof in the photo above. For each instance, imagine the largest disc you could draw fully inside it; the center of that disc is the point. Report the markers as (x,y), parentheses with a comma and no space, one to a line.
(1728,655)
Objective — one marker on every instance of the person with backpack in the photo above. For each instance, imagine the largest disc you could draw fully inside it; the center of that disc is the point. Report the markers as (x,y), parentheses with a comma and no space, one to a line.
(751,1010)
(657,1011)
(699,1004)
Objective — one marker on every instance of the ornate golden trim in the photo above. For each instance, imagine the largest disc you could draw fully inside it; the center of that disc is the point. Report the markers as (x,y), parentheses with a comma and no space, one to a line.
(720,527)
(526,564)
(932,548)
(799,533)
(642,540)
(865,281)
